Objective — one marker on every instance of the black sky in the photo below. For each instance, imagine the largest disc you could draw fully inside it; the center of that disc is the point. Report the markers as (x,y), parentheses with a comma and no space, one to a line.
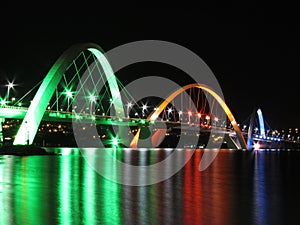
(254,56)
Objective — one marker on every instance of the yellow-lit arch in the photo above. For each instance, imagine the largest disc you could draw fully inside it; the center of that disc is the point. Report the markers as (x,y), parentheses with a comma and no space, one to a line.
(153,116)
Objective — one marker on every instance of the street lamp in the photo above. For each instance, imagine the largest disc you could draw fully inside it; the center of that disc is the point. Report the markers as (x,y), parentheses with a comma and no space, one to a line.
(207,119)
(2,102)
(144,107)
(169,112)
(189,114)
(10,85)
(216,121)
(92,99)
(69,95)
(199,117)
(12,100)
(129,105)
(180,113)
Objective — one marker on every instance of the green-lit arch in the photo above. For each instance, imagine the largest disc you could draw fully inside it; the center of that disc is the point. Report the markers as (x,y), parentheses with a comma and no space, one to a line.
(153,116)
(37,108)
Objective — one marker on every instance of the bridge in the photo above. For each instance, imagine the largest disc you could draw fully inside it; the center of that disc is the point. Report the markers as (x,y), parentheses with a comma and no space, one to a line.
(194,109)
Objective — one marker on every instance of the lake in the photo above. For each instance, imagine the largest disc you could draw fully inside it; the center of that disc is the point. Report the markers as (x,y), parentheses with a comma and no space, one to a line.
(238,187)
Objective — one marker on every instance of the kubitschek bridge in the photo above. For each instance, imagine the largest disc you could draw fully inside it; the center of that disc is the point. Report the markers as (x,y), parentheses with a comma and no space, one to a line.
(107,103)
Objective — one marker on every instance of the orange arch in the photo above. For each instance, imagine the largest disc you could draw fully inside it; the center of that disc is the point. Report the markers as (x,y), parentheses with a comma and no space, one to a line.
(153,116)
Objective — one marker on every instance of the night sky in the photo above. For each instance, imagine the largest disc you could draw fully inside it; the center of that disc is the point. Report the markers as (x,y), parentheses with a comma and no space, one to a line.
(255,58)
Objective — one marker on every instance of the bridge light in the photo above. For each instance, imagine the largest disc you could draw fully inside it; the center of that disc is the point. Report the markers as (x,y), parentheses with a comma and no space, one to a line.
(144,107)
(129,105)
(199,115)
(180,112)
(256,146)
(10,85)
(169,110)
(92,98)
(3,102)
(69,93)
(114,141)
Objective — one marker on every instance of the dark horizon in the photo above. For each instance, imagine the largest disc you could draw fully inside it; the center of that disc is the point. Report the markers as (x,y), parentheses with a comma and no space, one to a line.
(254,61)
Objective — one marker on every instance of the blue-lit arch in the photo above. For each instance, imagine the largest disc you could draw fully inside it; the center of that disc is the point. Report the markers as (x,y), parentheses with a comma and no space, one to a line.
(261,122)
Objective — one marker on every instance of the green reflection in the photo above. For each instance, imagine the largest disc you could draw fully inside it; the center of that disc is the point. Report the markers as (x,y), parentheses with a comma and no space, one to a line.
(111,201)
(35,182)
(58,190)
(3,217)
(64,189)
(89,211)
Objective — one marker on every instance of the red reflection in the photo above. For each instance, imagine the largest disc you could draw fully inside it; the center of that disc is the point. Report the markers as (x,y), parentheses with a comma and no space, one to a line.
(207,194)
(193,209)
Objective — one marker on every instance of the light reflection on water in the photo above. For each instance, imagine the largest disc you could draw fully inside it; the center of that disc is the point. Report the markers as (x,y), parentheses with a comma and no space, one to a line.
(237,188)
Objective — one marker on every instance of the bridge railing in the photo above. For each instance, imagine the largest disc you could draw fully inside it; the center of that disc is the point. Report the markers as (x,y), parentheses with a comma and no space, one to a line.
(13,107)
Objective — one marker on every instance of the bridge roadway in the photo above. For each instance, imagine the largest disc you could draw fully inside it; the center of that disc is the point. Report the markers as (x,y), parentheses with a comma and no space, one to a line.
(12,112)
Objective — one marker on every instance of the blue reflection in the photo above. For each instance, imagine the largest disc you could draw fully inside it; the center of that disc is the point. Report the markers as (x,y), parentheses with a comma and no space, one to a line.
(259,189)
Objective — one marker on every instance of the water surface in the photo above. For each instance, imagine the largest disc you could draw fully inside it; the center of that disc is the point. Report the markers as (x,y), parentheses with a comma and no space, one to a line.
(261,187)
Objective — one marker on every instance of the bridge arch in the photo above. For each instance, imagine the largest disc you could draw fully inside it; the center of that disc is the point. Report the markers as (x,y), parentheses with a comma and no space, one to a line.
(37,108)
(257,111)
(154,115)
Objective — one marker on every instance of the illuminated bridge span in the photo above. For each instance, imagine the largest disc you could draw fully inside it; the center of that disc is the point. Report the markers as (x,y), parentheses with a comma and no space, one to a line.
(81,86)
